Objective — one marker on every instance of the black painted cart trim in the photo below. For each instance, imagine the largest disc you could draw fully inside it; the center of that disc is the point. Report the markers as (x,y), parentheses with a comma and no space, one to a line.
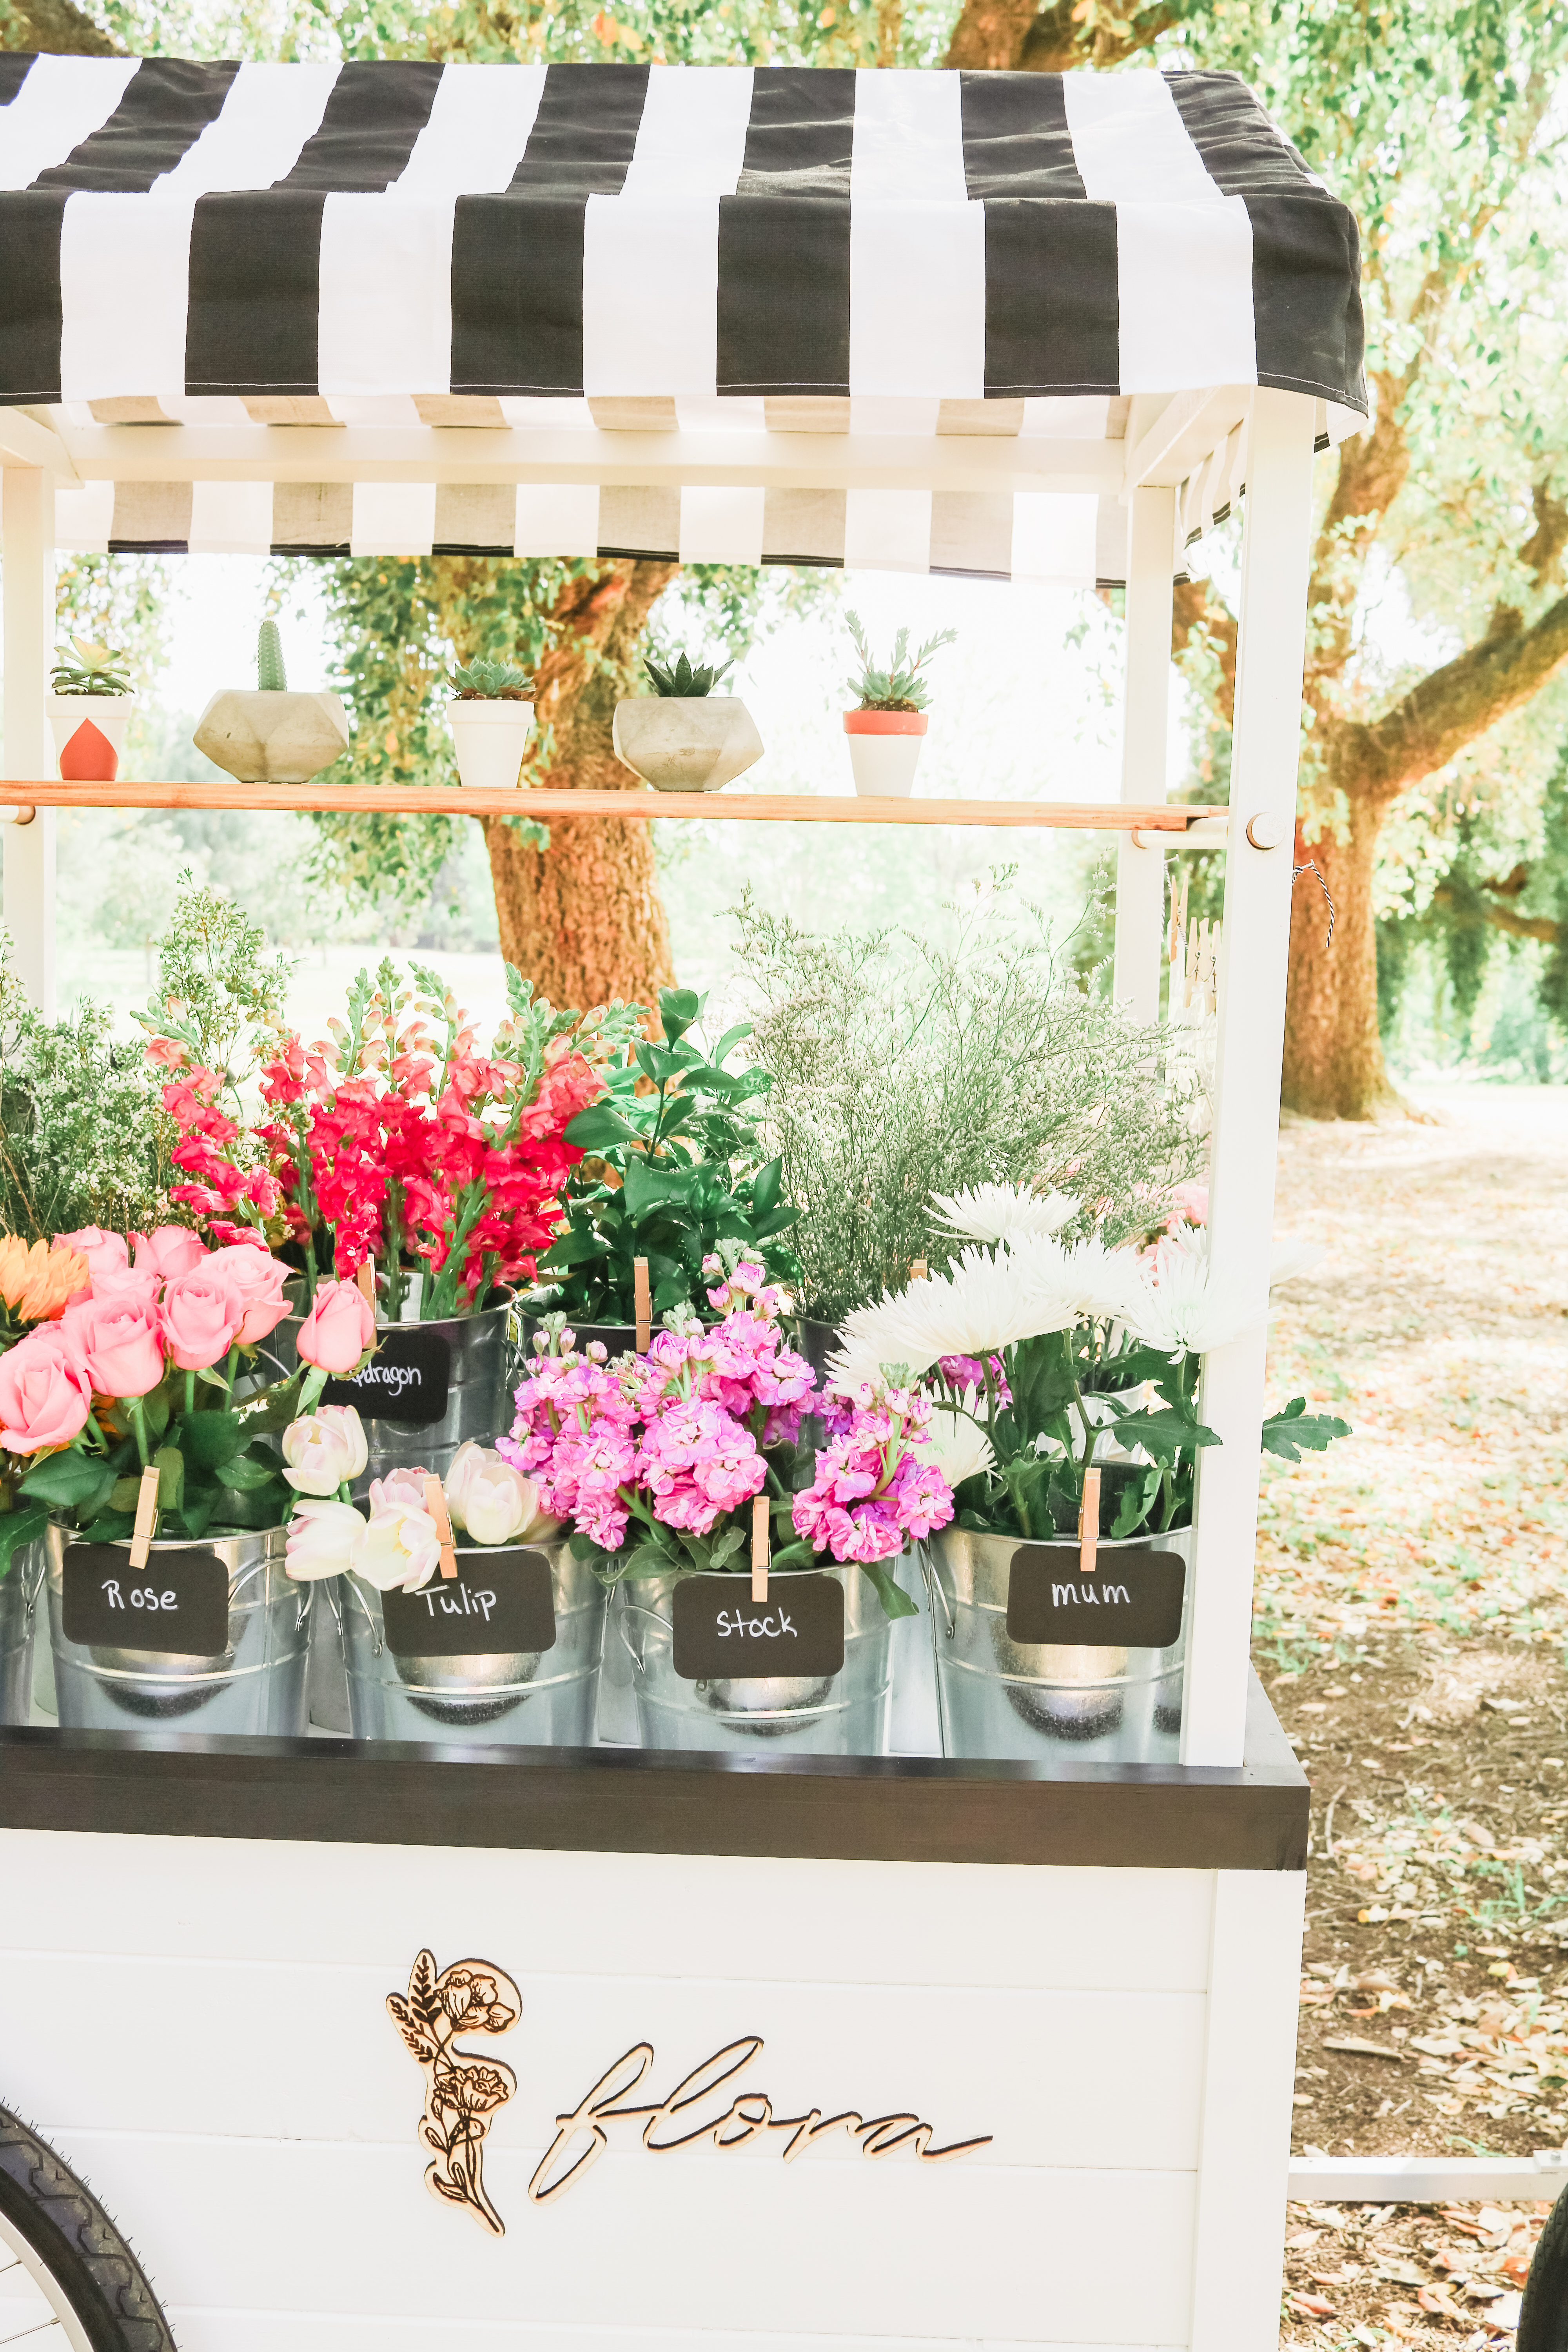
(627,1800)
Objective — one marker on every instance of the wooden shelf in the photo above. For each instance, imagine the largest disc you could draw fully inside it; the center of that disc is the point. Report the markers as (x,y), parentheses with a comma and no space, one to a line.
(766,808)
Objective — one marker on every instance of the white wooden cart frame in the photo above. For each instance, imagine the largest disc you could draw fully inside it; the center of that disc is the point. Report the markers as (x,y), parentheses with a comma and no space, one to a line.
(1108,1954)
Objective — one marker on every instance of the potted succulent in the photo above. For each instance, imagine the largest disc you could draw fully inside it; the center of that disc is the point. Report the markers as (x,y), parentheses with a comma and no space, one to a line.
(90,704)
(674,1171)
(887,728)
(491,717)
(270,736)
(684,737)
(664,1466)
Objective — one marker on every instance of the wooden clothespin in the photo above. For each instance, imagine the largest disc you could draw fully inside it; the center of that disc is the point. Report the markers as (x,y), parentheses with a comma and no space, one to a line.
(436,1504)
(918,1269)
(1089,1523)
(643,1297)
(758,1547)
(366,1281)
(146,1517)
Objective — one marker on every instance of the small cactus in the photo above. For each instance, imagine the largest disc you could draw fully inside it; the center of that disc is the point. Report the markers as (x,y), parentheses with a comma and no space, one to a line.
(270,675)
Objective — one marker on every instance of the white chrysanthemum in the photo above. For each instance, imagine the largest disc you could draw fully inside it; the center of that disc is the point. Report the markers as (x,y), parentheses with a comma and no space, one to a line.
(1001,1212)
(1182,1308)
(986,1301)
(956,1445)
(1290,1257)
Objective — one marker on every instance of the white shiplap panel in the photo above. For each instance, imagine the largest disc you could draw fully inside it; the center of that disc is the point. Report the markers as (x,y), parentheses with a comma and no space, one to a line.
(693,2241)
(825,1922)
(267,2331)
(1055,2078)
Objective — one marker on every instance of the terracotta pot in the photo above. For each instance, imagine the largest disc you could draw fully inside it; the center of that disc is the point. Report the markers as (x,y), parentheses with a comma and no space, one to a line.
(885,750)
(490,737)
(89,734)
(686,743)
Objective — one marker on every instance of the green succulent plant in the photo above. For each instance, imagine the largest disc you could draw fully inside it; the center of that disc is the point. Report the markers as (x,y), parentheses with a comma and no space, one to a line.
(492,681)
(679,681)
(899,687)
(96,670)
(271,678)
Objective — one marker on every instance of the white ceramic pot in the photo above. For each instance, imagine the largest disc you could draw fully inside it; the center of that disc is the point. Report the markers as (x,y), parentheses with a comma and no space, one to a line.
(90,735)
(686,743)
(885,750)
(267,737)
(490,737)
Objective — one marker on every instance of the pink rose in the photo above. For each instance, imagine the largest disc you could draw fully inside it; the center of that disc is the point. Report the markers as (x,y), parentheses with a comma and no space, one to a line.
(169,1250)
(45,1394)
(125,1283)
(106,1253)
(116,1341)
(338,1329)
(258,1277)
(202,1314)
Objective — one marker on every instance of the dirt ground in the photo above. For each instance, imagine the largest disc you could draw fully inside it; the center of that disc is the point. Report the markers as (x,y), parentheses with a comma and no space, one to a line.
(1413,1607)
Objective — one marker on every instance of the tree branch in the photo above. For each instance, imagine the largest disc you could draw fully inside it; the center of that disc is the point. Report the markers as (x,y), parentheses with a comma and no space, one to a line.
(1009,36)
(55,27)
(1462,907)
(1374,760)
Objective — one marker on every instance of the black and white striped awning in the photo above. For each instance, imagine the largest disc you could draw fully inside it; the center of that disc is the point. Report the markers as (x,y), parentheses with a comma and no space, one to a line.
(785,251)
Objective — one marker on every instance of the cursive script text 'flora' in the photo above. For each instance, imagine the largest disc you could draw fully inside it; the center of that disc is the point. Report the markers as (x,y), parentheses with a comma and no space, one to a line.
(695,2110)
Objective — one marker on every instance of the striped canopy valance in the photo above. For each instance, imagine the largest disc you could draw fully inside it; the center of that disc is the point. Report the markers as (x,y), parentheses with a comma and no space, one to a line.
(419,246)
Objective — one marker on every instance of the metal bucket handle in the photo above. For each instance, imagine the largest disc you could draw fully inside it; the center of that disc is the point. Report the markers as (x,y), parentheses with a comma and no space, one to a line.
(376,1643)
(936,1591)
(30,1598)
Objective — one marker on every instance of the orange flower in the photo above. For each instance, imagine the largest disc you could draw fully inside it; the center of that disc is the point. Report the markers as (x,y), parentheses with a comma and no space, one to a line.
(37,1282)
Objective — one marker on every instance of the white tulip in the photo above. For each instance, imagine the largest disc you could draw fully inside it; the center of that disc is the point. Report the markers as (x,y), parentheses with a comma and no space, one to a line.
(324,1450)
(324,1539)
(493,1502)
(402,1547)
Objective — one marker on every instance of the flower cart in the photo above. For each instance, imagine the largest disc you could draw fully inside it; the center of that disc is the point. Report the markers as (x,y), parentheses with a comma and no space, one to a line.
(944,2049)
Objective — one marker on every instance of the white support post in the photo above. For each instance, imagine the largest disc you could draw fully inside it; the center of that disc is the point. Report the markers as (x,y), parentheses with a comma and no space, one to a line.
(1141,864)
(1270,652)
(1243,2141)
(27,589)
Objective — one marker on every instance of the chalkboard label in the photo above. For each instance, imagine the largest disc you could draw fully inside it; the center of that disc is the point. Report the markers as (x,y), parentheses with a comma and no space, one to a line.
(721,1632)
(1134,1600)
(405,1382)
(178,1604)
(499,1603)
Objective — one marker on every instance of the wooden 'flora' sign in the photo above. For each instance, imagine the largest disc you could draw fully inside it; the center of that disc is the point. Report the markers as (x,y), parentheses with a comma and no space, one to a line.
(464,2093)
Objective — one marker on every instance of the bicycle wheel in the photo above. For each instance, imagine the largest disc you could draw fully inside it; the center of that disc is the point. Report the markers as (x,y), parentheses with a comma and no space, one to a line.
(66,2275)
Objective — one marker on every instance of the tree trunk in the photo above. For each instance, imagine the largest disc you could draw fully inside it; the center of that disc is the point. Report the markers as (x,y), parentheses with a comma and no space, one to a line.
(1333,1053)
(583,919)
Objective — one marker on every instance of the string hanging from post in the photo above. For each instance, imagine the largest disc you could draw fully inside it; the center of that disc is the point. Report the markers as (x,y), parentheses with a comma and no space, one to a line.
(760,1547)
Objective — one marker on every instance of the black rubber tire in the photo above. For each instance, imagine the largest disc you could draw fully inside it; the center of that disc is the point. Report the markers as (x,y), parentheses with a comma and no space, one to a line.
(64,2223)
(1544,2315)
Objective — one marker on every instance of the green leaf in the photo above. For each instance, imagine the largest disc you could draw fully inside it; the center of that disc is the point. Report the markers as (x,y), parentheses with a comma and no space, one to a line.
(678,1009)
(723,1546)
(895,1601)
(262,1506)
(19,1527)
(766,1186)
(123,1493)
(66,1479)
(157,1409)
(574,1247)
(209,1438)
(1165,1433)
(1295,1432)
(598,1127)
(731,1037)
(244,1476)
(169,1465)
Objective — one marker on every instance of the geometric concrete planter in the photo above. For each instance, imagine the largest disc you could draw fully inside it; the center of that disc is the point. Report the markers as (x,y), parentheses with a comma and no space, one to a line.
(271,737)
(686,743)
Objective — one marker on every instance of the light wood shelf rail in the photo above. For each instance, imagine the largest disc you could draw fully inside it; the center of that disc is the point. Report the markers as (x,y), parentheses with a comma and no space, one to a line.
(776,808)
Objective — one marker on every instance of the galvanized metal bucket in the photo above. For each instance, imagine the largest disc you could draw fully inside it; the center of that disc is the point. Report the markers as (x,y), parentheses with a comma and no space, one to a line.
(20,1585)
(526,1698)
(482,1354)
(1003,1699)
(844,1714)
(256,1684)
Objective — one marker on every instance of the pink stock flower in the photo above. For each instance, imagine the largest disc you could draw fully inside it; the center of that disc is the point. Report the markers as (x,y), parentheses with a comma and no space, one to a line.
(201,1317)
(46,1394)
(338,1329)
(116,1340)
(167,1251)
(258,1279)
(870,1493)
